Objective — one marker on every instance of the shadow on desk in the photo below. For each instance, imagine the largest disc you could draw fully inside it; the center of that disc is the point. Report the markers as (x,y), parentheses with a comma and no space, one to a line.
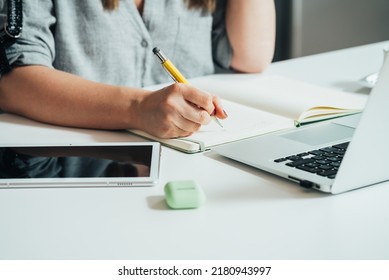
(157,202)
(352,86)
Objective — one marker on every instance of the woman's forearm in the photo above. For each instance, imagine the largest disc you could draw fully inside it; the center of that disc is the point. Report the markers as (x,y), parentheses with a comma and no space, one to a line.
(61,98)
(251,31)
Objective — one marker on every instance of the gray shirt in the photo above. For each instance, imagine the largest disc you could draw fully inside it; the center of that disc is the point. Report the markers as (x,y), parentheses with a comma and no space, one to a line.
(115,47)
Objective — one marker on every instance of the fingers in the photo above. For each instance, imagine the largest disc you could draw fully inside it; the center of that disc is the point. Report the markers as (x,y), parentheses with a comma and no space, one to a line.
(172,127)
(179,127)
(184,130)
(193,114)
(197,107)
(197,97)
(219,112)
(188,119)
(208,103)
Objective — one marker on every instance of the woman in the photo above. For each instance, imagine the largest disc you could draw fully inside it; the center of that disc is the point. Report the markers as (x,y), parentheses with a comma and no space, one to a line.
(84,63)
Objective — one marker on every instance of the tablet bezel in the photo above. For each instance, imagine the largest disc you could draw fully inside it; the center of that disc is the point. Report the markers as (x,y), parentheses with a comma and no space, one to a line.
(151,180)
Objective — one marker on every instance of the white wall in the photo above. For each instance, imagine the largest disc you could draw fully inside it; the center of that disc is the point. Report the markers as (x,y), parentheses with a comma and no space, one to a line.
(324,25)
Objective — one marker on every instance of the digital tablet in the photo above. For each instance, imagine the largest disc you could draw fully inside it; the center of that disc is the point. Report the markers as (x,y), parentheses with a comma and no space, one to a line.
(130,164)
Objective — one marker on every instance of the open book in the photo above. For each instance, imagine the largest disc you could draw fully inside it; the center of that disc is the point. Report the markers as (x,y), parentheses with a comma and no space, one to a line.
(259,104)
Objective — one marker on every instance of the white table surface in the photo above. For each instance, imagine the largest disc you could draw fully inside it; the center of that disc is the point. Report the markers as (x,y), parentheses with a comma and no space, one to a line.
(249,214)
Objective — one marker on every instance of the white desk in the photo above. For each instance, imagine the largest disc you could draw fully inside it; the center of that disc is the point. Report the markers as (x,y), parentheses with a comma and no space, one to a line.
(248,215)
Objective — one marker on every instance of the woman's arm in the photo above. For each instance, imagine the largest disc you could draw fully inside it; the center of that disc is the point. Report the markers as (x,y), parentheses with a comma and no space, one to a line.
(56,97)
(60,98)
(251,29)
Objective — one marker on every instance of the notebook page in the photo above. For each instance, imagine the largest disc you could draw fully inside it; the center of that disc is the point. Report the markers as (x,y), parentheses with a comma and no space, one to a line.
(279,95)
(242,122)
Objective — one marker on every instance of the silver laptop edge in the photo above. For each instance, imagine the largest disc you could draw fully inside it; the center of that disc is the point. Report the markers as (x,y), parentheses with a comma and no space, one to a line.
(360,166)
(365,162)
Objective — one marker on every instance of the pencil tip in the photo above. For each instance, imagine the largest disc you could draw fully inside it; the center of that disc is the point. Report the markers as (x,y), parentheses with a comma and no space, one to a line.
(156,50)
(218,122)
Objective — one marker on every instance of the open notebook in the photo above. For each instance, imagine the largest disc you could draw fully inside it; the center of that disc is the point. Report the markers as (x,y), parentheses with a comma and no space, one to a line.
(259,104)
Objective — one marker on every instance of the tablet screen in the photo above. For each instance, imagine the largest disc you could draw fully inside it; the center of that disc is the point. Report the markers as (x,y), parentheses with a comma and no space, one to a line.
(77,162)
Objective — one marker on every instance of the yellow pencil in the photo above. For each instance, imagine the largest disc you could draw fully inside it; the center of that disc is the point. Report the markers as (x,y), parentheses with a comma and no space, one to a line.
(174,73)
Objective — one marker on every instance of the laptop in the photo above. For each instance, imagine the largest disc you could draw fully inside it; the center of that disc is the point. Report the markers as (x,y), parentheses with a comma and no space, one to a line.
(115,164)
(334,156)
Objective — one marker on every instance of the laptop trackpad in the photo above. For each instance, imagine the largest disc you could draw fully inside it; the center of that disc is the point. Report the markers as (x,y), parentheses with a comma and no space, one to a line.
(320,135)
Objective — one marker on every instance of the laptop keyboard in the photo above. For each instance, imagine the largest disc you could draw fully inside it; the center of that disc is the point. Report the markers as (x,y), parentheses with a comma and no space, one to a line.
(323,162)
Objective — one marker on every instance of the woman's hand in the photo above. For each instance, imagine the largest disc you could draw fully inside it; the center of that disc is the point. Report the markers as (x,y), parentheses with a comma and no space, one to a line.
(176,111)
